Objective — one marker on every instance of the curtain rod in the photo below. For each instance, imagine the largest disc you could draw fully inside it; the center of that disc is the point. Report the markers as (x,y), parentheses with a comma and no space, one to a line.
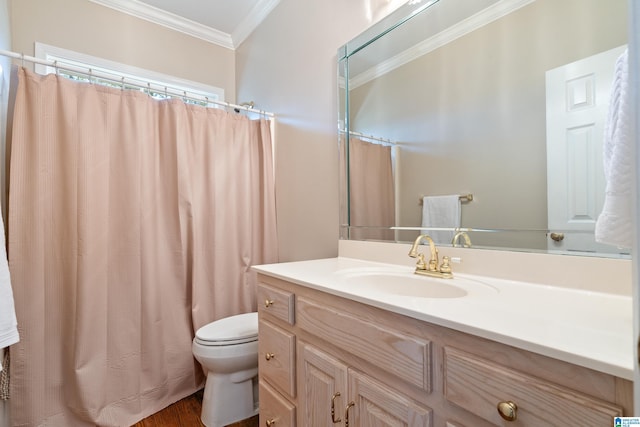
(374,138)
(160,89)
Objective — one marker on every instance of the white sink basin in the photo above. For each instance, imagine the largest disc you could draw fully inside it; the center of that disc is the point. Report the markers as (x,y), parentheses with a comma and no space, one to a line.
(410,286)
(404,282)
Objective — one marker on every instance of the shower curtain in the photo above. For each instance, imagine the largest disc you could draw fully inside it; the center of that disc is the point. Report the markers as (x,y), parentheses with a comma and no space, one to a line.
(132,222)
(372,193)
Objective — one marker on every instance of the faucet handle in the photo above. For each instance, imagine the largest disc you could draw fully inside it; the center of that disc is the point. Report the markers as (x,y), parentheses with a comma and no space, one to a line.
(421,264)
(445,267)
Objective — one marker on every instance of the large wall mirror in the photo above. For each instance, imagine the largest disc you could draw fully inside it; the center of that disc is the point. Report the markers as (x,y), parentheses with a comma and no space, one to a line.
(501,103)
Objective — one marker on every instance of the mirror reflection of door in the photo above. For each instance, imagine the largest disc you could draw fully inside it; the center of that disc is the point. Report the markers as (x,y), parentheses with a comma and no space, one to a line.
(577,104)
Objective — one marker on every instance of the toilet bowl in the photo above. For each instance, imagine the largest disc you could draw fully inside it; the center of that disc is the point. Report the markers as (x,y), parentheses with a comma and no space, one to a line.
(227,349)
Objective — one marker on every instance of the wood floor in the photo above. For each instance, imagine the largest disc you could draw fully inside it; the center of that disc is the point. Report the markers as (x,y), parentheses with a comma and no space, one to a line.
(186,413)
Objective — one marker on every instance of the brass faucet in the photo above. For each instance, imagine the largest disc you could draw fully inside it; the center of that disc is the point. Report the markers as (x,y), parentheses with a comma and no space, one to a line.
(465,237)
(432,268)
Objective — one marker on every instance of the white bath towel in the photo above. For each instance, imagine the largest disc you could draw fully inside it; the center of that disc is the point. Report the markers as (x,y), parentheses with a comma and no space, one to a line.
(614,225)
(441,212)
(8,324)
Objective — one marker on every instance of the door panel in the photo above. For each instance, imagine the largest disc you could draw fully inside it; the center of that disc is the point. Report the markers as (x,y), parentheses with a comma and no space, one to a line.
(577,105)
(322,384)
(376,405)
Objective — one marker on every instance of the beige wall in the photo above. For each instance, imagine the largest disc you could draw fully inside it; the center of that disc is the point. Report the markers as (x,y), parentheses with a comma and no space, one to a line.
(5,44)
(288,66)
(89,28)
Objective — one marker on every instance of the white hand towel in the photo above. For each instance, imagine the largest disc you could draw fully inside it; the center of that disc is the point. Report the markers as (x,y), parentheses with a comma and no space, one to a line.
(441,212)
(8,324)
(614,225)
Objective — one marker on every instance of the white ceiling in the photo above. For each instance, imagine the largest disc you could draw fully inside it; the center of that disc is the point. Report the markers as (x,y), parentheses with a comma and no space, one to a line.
(224,22)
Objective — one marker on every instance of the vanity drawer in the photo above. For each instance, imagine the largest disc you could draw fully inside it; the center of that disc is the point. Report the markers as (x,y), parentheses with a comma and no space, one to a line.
(274,409)
(276,302)
(478,385)
(276,357)
(407,357)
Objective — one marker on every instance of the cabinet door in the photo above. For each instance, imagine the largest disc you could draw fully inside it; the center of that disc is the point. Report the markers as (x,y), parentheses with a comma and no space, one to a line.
(322,387)
(376,405)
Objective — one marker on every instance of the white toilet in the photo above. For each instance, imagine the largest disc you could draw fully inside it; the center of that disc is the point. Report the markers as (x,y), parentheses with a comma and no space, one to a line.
(227,349)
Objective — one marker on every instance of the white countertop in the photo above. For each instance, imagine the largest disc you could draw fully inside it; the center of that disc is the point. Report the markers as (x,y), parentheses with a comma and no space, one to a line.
(586,328)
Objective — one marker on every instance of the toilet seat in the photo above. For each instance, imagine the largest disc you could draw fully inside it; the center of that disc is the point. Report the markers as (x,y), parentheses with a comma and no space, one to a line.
(234,330)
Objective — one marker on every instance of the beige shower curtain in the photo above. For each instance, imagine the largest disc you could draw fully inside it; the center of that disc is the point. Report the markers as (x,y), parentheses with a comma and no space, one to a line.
(132,222)
(371,191)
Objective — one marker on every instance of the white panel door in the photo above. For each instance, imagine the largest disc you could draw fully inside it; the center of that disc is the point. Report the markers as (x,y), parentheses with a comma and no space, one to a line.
(577,105)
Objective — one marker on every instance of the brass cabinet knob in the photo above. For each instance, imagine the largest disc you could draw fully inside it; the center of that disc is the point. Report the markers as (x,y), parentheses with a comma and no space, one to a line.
(269,356)
(508,410)
(268,303)
(557,237)
(270,422)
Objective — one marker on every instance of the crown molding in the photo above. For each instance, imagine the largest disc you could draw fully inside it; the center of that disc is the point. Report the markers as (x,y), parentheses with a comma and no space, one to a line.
(169,20)
(258,14)
(478,20)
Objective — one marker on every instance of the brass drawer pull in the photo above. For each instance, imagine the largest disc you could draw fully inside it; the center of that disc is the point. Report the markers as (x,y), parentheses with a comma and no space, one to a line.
(508,410)
(268,303)
(269,356)
(333,408)
(270,422)
(346,413)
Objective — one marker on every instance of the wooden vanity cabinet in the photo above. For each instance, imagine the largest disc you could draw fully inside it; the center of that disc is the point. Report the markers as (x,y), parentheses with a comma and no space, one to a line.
(327,360)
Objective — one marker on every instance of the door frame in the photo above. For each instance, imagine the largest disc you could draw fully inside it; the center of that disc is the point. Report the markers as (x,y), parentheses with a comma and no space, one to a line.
(634,74)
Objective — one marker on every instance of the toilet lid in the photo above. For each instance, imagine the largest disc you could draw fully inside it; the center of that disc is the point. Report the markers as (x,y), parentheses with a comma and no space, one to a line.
(237,329)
